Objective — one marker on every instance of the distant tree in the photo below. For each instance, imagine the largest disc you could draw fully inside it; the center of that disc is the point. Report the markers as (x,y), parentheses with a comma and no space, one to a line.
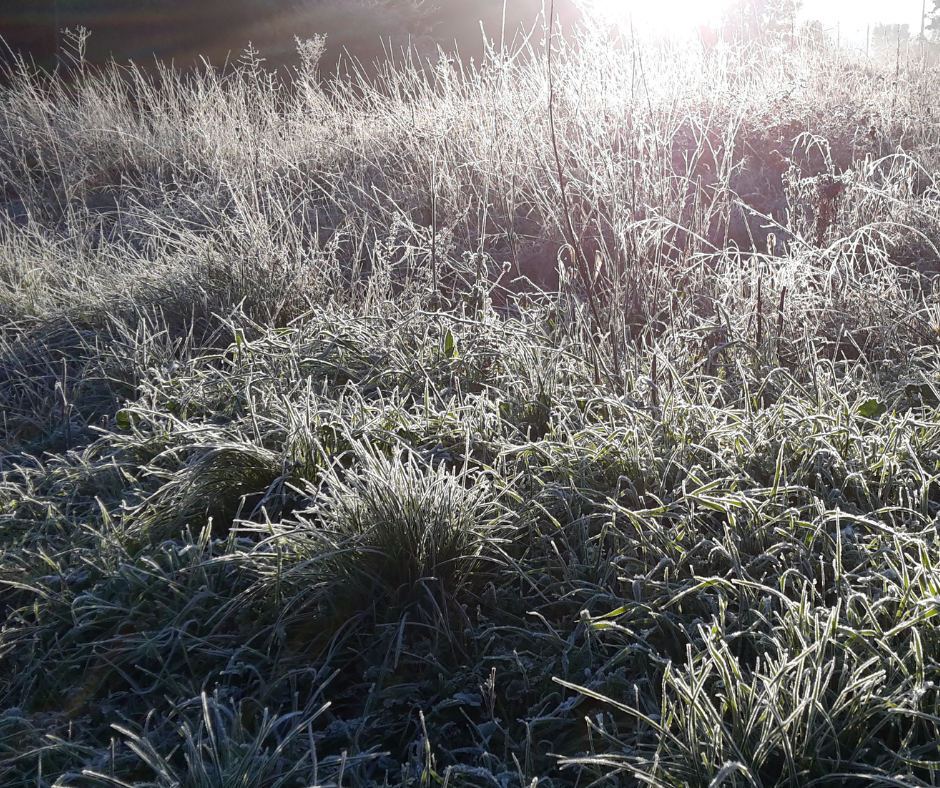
(932,29)
(746,20)
(888,36)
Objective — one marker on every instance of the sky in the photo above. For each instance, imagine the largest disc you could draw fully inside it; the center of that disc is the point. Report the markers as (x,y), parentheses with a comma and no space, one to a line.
(851,16)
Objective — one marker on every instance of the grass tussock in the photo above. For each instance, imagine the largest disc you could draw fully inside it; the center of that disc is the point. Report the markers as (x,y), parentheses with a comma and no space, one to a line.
(472,424)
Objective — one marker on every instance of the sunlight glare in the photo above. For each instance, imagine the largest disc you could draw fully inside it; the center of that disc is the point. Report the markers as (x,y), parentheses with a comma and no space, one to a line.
(661,16)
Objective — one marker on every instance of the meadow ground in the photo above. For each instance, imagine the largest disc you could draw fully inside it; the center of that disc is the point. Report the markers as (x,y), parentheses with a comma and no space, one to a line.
(305,481)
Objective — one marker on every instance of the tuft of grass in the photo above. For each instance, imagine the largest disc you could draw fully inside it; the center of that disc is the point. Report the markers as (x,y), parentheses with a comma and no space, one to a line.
(221,750)
(390,537)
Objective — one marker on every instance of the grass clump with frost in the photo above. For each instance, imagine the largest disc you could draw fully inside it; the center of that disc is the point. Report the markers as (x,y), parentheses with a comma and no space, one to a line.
(276,512)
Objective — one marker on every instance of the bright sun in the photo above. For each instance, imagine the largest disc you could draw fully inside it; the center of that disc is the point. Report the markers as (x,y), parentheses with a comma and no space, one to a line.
(662,16)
